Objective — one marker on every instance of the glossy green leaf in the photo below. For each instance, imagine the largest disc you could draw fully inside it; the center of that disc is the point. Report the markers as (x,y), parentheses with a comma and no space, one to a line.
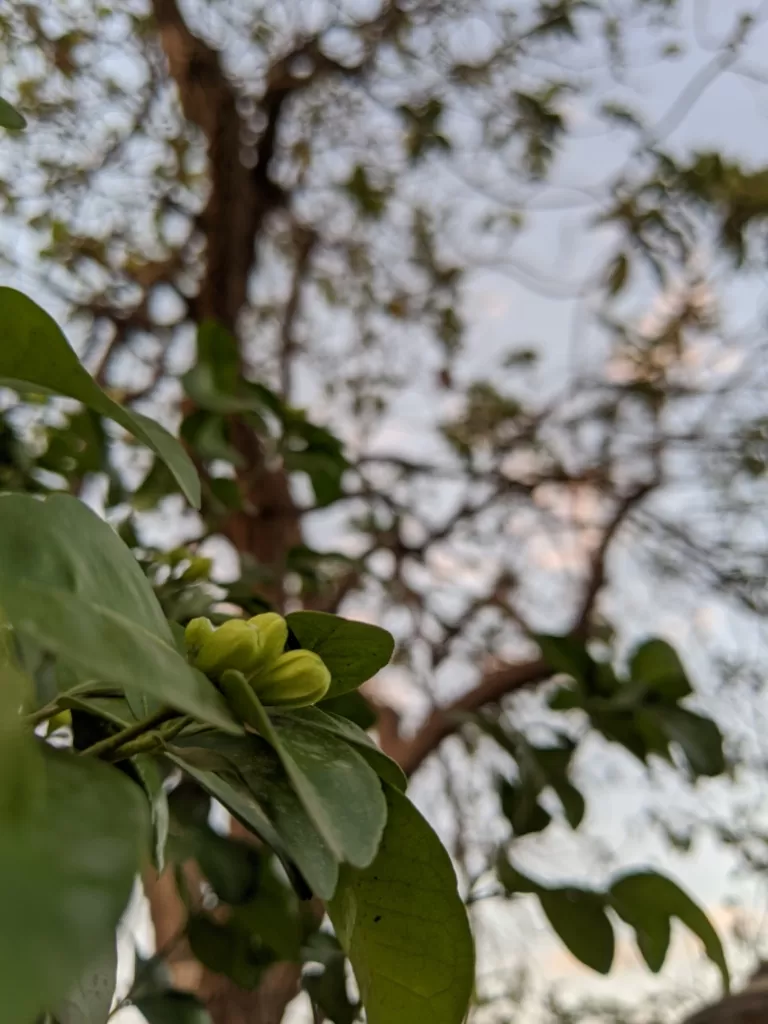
(34,354)
(172,1008)
(90,1001)
(647,901)
(656,664)
(404,927)
(353,651)
(579,919)
(10,117)
(66,873)
(79,592)
(318,718)
(252,784)
(341,794)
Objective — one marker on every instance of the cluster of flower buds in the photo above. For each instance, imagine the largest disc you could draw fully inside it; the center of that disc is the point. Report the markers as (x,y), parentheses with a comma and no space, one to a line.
(248,657)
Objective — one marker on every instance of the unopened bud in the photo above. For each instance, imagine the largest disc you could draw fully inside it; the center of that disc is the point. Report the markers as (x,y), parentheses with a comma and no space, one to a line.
(296,679)
(197,632)
(273,633)
(234,645)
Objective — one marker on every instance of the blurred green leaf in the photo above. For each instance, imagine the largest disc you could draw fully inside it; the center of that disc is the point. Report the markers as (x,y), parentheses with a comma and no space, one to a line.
(79,592)
(647,901)
(404,927)
(227,949)
(655,664)
(10,118)
(36,355)
(579,918)
(698,737)
(66,873)
(172,1008)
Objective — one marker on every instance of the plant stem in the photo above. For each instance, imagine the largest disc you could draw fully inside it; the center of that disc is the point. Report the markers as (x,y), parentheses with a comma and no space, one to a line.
(119,739)
(151,740)
(41,715)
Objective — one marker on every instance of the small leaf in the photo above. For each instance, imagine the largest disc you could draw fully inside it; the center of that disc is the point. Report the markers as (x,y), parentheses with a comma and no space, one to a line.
(172,1008)
(404,927)
(618,273)
(36,355)
(699,738)
(579,918)
(151,778)
(79,592)
(352,651)
(566,654)
(10,117)
(656,664)
(646,901)
(91,999)
(328,991)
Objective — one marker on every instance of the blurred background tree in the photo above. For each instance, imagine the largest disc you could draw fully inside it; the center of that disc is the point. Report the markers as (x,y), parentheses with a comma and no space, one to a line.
(524,314)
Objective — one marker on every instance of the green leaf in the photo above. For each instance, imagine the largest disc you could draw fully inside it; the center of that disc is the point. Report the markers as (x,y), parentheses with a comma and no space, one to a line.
(699,738)
(79,592)
(579,918)
(231,866)
(66,873)
(10,117)
(328,991)
(272,916)
(566,654)
(225,948)
(353,651)
(339,791)
(319,718)
(404,927)
(34,354)
(647,901)
(351,705)
(255,789)
(522,810)
(148,771)
(655,664)
(172,1008)
(91,999)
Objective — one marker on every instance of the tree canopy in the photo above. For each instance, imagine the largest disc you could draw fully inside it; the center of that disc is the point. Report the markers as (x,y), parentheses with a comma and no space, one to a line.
(268,226)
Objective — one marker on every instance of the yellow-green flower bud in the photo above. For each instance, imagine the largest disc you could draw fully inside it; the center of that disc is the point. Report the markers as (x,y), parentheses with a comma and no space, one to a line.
(196,633)
(296,679)
(273,632)
(234,645)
